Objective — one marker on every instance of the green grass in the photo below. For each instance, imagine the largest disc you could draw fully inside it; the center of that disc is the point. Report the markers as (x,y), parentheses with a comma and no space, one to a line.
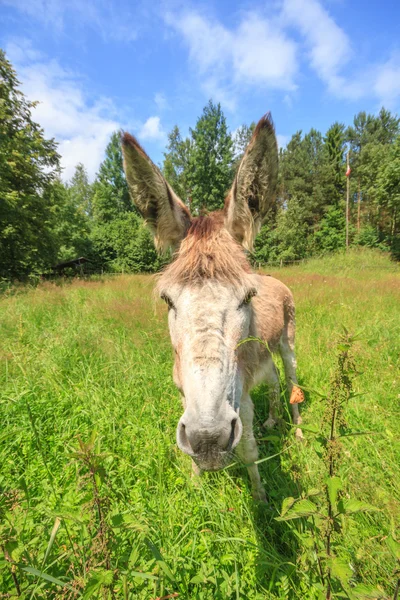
(92,360)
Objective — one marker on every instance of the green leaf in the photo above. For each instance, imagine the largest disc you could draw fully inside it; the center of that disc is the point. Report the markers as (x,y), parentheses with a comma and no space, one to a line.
(367,592)
(53,534)
(143,575)
(313,492)
(302,508)
(305,427)
(92,586)
(322,440)
(12,548)
(352,433)
(394,546)
(46,576)
(333,485)
(107,577)
(200,578)
(99,579)
(340,569)
(343,347)
(159,558)
(312,391)
(117,520)
(286,504)
(349,507)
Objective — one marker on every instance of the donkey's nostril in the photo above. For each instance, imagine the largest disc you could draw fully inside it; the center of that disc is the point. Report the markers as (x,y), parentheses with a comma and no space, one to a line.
(183,440)
(232,435)
(236,433)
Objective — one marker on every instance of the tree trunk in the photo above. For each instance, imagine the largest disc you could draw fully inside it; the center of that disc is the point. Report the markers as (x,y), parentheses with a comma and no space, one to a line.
(347,201)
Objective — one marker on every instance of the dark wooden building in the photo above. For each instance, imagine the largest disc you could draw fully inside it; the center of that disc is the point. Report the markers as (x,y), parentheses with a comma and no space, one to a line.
(77,266)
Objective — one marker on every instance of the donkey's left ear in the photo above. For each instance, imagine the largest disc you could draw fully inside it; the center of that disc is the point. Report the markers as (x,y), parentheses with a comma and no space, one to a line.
(164,213)
(253,191)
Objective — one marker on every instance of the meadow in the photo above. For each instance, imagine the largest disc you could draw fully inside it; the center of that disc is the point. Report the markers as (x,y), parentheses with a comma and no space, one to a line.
(96,499)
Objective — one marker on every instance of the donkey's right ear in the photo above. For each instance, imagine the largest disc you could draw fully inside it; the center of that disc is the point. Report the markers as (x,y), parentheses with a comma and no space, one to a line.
(253,192)
(165,214)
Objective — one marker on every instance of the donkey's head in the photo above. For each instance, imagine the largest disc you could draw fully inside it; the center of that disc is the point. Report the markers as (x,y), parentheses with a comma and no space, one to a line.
(208,289)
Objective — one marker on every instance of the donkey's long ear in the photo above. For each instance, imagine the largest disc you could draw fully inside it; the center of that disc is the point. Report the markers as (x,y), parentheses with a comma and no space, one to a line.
(165,214)
(254,188)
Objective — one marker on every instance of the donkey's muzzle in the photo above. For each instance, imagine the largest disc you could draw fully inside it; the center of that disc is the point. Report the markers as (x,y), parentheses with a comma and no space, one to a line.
(209,445)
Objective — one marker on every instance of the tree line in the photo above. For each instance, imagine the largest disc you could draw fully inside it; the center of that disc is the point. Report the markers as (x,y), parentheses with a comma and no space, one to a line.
(44,221)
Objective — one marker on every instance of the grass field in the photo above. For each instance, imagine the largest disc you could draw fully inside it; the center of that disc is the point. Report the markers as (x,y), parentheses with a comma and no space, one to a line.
(95,495)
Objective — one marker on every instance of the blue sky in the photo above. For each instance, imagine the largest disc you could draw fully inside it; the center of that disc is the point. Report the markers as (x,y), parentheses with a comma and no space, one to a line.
(100,65)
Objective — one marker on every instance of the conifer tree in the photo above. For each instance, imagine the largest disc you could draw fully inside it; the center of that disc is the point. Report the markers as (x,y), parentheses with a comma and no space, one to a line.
(176,163)
(388,195)
(211,158)
(335,175)
(111,195)
(241,140)
(81,191)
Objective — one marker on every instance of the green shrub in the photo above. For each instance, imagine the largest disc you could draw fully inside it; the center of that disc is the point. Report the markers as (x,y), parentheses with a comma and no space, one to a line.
(125,244)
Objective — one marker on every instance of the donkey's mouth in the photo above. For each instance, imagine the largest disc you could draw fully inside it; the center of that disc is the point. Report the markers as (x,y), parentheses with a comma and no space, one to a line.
(215,462)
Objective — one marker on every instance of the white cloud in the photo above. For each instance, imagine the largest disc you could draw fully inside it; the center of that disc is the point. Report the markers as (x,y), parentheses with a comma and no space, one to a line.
(160,101)
(263,54)
(328,45)
(288,101)
(387,81)
(210,44)
(256,53)
(82,127)
(21,50)
(111,22)
(152,130)
(330,54)
(220,92)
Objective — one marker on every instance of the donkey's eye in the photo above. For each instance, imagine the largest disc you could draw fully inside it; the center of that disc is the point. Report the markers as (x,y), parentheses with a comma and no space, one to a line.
(167,301)
(247,299)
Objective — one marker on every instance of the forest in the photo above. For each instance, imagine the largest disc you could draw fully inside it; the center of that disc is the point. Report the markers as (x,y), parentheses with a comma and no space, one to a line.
(45,220)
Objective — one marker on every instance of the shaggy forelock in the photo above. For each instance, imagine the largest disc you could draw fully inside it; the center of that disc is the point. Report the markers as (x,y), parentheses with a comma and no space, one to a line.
(207,253)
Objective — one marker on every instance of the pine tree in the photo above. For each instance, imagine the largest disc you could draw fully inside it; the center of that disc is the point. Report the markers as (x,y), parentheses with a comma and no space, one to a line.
(302,175)
(176,163)
(29,163)
(370,140)
(211,158)
(388,195)
(241,140)
(111,195)
(119,240)
(334,145)
(367,128)
(81,191)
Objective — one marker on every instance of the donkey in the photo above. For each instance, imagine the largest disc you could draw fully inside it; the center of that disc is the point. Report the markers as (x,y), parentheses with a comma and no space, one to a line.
(215,302)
